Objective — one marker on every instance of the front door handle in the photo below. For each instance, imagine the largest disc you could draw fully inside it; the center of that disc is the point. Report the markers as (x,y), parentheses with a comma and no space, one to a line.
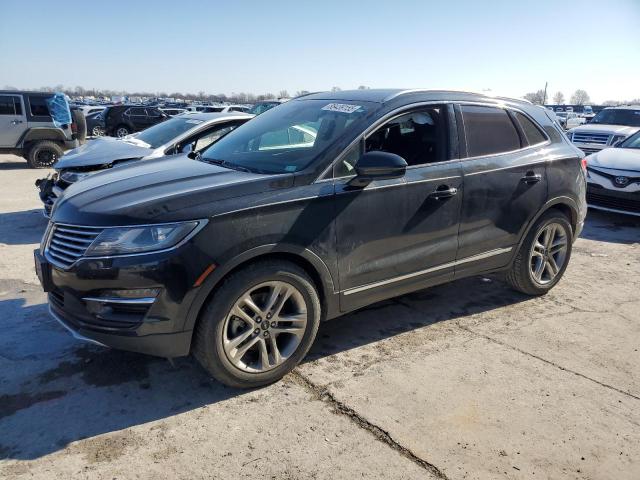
(531,178)
(443,191)
(16,122)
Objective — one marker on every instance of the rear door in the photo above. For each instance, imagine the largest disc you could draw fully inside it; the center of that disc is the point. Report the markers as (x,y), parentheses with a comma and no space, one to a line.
(13,121)
(505,184)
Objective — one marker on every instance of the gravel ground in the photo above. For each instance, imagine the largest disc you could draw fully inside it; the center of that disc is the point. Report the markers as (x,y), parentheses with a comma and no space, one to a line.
(462,381)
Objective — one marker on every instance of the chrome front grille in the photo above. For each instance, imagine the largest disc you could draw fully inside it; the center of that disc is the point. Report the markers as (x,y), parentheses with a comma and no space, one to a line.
(68,243)
(597,138)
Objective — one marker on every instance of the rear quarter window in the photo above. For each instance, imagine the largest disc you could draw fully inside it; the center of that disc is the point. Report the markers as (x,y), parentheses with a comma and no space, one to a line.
(531,132)
(488,130)
(38,106)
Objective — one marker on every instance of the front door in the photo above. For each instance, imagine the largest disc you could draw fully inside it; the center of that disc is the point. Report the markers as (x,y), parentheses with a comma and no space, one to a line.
(397,235)
(13,121)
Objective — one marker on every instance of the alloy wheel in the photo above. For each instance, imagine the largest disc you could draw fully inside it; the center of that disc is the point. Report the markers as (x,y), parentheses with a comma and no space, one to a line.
(548,253)
(122,132)
(265,326)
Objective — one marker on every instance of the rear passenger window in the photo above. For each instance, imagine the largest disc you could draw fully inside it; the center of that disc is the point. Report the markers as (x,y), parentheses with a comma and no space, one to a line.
(6,106)
(38,106)
(532,133)
(489,131)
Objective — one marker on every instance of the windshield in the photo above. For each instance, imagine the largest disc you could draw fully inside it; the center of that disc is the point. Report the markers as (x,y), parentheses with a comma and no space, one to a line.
(562,114)
(620,116)
(288,138)
(166,131)
(632,142)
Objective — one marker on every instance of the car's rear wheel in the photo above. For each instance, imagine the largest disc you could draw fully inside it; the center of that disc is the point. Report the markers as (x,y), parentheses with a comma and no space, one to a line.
(122,131)
(43,154)
(543,256)
(259,324)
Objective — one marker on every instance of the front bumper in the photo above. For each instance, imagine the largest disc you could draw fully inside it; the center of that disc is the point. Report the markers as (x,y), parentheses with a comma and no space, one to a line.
(85,299)
(617,201)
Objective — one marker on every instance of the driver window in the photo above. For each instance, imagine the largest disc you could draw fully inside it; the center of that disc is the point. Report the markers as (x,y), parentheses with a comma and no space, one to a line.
(420,137)
(212,136)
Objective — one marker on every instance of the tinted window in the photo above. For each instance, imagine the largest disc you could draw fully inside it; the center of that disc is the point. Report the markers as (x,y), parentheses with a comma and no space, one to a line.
(165,132)
(531,132)
(6,106)
(137,111)
(419,137)
(618,117)
(38,106)
(489,131)
(212,136)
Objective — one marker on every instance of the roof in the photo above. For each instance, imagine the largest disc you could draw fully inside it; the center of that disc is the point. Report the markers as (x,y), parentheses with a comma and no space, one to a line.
(28,92)
(384,95)
(624,107)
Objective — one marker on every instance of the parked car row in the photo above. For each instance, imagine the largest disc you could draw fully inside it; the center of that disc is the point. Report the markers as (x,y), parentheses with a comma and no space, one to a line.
(231,239)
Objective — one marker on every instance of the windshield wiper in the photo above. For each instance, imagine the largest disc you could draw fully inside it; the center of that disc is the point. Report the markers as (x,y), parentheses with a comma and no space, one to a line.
(225,164)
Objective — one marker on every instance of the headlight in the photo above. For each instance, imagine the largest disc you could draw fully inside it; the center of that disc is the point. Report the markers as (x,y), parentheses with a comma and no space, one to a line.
(123,240)
(73,177)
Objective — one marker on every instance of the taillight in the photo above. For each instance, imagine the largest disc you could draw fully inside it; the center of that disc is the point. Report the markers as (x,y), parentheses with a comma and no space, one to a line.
(584,163)
(74,127)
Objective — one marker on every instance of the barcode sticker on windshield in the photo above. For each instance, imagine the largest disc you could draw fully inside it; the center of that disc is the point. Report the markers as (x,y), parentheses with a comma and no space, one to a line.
(341,107)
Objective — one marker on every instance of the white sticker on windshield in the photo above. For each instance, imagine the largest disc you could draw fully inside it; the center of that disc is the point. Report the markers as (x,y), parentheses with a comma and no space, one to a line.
(341,107)
(195,122)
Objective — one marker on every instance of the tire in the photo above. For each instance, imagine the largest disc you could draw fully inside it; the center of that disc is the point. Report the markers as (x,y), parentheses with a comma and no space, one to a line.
(542,260)
(43,154)
(81,123)
(212,342)
(121,131)
(97,131)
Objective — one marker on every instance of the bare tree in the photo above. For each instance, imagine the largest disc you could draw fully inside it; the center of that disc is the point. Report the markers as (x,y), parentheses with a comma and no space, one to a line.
(580,97)
(536,98)
(283,94)
(335,89)
(299,93)
(558,98)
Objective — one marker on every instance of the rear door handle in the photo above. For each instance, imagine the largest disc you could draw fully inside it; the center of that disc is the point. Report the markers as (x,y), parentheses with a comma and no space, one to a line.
(531,178)
(443,191)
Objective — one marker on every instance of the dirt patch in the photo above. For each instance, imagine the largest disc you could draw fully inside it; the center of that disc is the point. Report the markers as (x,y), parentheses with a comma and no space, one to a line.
(108,448)
(10,404)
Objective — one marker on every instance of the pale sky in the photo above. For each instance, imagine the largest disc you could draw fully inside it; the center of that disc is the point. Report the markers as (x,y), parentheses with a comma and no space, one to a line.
(510,47)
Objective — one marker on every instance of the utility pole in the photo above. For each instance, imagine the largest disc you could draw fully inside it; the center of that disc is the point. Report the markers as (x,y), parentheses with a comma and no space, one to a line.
(544,99)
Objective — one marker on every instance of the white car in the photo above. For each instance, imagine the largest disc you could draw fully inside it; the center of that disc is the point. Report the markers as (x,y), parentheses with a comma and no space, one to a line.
(90,109)
(569,119)
(613,178)
(609,127)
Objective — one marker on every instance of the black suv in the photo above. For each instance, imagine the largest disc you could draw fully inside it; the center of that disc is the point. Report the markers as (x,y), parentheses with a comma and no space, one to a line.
(121,120)
(321,206)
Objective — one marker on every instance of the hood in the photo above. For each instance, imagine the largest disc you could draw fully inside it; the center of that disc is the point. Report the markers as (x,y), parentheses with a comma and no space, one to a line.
(155,191)
(616,158)
(604,128)
(101,151)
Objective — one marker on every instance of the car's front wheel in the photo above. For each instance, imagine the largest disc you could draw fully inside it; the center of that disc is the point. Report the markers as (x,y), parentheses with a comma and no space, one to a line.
(543,256)
(258,325)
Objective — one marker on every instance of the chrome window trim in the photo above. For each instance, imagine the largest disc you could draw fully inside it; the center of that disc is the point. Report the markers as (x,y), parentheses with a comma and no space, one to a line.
(473,258)
(200,226)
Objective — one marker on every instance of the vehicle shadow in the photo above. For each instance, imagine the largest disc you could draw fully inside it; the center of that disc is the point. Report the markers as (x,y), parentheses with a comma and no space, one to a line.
(611,227)
(22,228)
(64,391)
(14,165)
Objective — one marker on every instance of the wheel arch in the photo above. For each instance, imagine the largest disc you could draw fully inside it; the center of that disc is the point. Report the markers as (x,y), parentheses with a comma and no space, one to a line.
(566,205)
(312,264)
(43,133)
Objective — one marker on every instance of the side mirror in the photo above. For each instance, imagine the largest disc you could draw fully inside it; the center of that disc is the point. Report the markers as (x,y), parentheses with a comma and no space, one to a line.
(378,166)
